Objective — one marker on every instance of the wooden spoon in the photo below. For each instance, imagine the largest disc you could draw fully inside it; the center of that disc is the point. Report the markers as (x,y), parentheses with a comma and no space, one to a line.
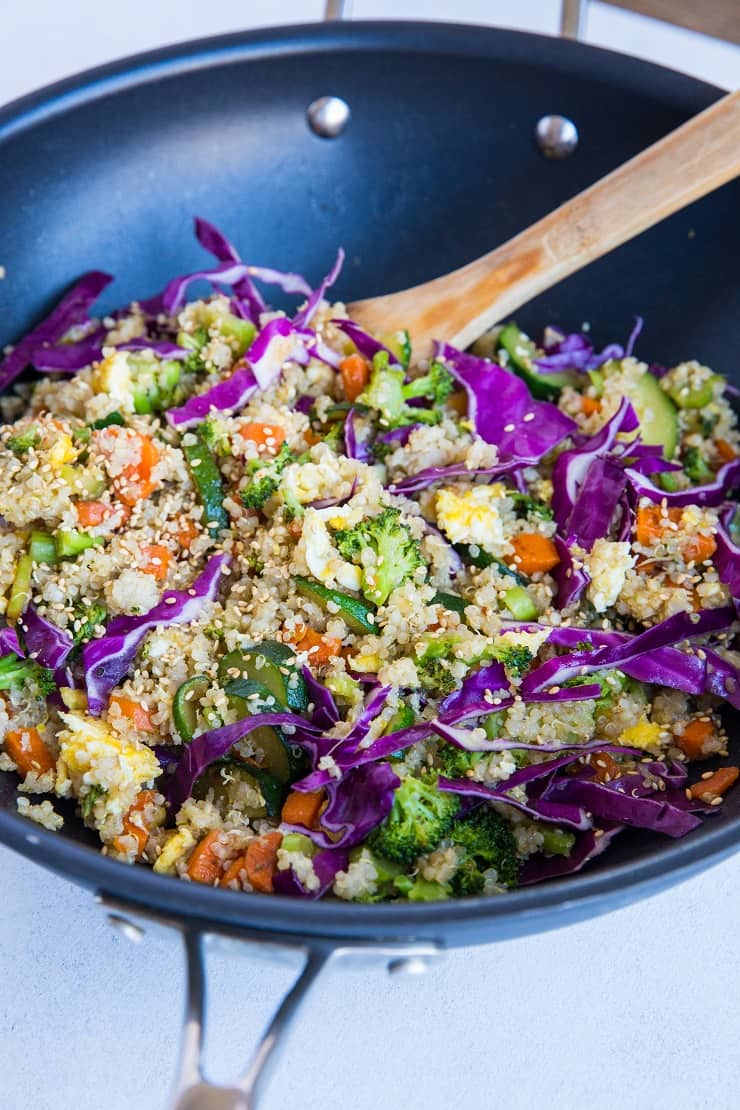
(690,162)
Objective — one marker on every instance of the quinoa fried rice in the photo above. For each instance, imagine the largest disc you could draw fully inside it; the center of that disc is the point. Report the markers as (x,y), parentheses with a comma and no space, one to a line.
(289,609)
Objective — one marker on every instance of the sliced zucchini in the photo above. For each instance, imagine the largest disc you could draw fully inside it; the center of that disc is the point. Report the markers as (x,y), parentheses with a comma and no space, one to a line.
(272,665)
(522,353)
(453,602)
(185,706)
(358,615)
(655,410)
(224,772)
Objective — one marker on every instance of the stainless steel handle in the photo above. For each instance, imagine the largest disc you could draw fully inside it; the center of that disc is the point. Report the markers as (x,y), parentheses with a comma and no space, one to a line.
(193,1091)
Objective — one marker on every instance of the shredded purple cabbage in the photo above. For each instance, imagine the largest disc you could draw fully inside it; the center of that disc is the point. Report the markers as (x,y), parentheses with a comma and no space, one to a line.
(681,626)
(71,311)
(355,447)
(215,242)
(325,713)
(425,478)
(366,344)
(303,318)
(588,485)
(326,865)
(588,845)
(357,803)
(48,644)
(227,396)
(107,661)
(713,493)
(726,558)
(503,410)
(9,644)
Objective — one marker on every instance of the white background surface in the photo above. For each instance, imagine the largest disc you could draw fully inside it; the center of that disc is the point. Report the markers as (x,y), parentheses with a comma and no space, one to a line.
(621,1012)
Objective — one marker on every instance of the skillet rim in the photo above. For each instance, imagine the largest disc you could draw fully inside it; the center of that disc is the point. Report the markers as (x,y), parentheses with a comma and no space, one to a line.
(525,909)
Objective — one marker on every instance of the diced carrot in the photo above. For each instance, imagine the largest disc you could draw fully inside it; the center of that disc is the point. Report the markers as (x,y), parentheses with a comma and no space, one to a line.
(699,548)
(233,871)
(28,751)
(187,531)
(137,482)
(92,513)
(605,768)
(302,809)
(725,450)
(205,863)
(534,552)
(355,374)
(311,437)
(590,405)
(716,785)
(135,825)
(134,711)
(156,561)
(320,648)
(268,437)
(694,737)
(261,860)
(652,522)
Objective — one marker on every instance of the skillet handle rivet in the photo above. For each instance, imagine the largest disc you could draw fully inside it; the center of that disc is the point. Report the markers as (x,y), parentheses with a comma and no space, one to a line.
(556,136)
(408,965)
(126,928)
(328,116)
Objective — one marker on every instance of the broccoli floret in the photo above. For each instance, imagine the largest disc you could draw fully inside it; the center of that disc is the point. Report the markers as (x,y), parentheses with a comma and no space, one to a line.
(420,817)
(265,477)
(515,658)
(385,549)
(292,508)
(487,840)
(86,620)
(455,763)
(15,674)
(436,385)
(388,393)
(215,435)
(24,442)
(88,800)
(420,889)
(527,505)
(194,362)
(696,466)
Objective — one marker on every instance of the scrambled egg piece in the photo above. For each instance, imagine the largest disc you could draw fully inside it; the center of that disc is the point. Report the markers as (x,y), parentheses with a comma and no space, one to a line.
(474,515)
(324,562)
(175,848)
(103,770)
(607,566)
(61,451)
(644,734)
(113,376)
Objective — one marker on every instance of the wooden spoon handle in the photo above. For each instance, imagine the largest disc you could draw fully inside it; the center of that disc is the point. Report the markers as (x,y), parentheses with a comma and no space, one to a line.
(697,158)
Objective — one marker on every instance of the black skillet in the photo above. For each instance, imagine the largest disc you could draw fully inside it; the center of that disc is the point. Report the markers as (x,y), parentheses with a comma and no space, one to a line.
(437,164)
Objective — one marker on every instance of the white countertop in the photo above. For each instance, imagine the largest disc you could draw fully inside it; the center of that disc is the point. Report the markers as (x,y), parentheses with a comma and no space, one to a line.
(619,1012)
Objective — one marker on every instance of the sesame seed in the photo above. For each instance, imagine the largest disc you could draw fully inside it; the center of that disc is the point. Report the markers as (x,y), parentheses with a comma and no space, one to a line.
(528,416)
(509,427)
(170,601)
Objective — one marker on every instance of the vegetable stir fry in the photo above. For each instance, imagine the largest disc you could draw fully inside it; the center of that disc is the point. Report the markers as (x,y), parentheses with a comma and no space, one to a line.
(288,608)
